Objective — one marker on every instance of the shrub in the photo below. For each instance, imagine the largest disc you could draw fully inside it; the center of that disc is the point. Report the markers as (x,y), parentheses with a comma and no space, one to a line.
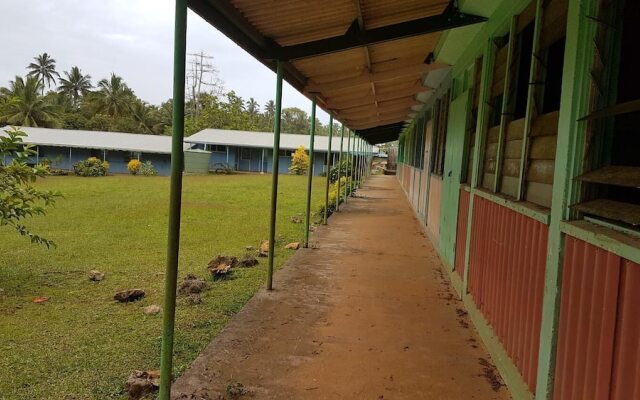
(92,166)
(299,162)
(134,166)
(147,169)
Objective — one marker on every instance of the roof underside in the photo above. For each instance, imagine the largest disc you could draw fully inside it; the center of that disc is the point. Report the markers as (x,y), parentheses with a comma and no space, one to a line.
(363,60)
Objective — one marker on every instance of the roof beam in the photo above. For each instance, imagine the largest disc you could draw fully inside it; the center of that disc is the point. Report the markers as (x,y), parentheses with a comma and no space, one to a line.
(338,104)
(373,124)
(357,36)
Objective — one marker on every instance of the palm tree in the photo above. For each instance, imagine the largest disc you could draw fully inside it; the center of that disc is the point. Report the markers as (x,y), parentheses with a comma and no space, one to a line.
(75,85)
(252,107)
(270,111)
(24,106)
(114,96)
(44,69)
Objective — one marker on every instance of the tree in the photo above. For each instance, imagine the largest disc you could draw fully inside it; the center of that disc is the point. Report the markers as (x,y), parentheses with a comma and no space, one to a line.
(114,97)
(295,120)
(270,111)
(75,85)
(299,162)
(24,106)
(19,199)
(44,69)
(252,107)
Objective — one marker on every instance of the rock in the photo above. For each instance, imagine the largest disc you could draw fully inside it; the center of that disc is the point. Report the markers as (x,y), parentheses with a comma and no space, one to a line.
(296,220)
(95,275)
(248,261)
(141,384)
(249,248)
(264,248)
(192,284)
(220,267)
(194,298)
(293,246)
(130,295)
(152,309)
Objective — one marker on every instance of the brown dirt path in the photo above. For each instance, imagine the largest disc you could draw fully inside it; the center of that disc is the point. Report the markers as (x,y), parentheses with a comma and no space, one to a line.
(369,314)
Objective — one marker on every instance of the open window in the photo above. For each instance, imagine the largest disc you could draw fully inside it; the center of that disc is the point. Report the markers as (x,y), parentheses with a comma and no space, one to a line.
(245,153)
(472,123)
(216,148)
(440,121)
(611,181)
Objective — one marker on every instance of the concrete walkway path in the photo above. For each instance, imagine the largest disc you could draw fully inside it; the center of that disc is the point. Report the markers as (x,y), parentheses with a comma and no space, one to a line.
(367,314)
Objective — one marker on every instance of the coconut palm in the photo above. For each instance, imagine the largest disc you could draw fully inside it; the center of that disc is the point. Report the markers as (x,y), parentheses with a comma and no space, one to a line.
(44,69)
(25,106)
(113,96)
(75,85)
(252,107)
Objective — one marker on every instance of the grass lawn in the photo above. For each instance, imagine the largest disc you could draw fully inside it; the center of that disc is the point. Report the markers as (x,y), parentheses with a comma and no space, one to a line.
(81,344)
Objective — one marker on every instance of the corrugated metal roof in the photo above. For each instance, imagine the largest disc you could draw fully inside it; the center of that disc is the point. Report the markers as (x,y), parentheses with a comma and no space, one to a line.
(97,140)
(288,141)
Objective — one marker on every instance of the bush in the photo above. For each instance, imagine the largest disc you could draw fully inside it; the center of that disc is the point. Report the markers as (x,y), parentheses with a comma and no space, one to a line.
(92,166)
(147,169)
(342,168)
(134,166)
(299,162)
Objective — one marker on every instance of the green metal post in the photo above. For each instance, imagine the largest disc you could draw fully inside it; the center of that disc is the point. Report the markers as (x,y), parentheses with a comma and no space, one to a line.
(329,157)
(307,221)
(356,145)
(347,186)
(175,199)
(340,169)
(274,174)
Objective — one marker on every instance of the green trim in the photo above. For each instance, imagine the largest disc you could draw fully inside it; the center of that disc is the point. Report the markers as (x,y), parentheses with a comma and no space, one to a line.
(531,210)
(312,129)
(615,242)
(328,180)
(456,282)
(508,370)
(569,155)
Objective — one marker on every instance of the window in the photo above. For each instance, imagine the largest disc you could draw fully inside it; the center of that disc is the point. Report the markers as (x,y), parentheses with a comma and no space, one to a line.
(285,153)
(473,121)
(520,143)
(440,118)
(611,182)
(216,148)
(245,153)
(96,153)
(132,155)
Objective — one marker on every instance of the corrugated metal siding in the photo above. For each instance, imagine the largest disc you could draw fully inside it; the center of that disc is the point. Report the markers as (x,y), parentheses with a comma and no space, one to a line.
(461,231)
(433,213)
(506,279)
(599,334)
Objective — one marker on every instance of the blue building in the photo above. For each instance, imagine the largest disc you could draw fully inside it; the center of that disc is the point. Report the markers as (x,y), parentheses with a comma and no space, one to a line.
(252,151)
(65,147)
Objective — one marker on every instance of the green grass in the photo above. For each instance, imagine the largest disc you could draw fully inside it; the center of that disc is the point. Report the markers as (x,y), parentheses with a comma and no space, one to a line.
(81,344)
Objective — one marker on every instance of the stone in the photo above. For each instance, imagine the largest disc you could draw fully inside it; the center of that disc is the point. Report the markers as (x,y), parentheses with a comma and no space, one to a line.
(192,284)
(95,275)
(264,248)
(221,266)
(194,298)
(248,261)
(293,246)
(127,296)
(152,309)
(296,220)
(249,248)
(141,384)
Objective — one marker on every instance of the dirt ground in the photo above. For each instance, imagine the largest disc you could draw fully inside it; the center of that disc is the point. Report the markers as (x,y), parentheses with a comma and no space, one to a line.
(365,314)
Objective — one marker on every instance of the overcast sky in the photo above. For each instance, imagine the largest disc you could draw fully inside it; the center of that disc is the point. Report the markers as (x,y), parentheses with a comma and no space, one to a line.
(134,39)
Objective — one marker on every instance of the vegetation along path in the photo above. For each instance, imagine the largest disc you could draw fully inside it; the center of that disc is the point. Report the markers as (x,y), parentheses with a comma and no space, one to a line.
(365,314)
(81,344)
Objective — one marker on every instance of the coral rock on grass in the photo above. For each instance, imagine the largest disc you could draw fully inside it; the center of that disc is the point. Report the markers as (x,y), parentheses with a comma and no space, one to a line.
(95,275)
(264,248)
(296,220)
(194,298)
(130,295)
(221,266)
(192,284)
(293,246)
(152,309)
(248,261)
(141,384)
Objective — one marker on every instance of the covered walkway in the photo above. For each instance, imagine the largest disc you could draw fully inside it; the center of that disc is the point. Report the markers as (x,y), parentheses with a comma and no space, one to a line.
(366,313)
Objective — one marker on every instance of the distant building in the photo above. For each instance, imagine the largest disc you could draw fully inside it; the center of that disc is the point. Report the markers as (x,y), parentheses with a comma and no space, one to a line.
(64,147)
(252,151)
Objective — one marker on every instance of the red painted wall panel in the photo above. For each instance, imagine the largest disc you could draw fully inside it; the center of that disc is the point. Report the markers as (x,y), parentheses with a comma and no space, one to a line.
(598,356)
(461,231)
(506,279)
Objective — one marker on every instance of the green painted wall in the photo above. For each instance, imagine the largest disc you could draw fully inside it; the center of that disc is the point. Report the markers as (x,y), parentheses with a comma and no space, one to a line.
(453,162)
